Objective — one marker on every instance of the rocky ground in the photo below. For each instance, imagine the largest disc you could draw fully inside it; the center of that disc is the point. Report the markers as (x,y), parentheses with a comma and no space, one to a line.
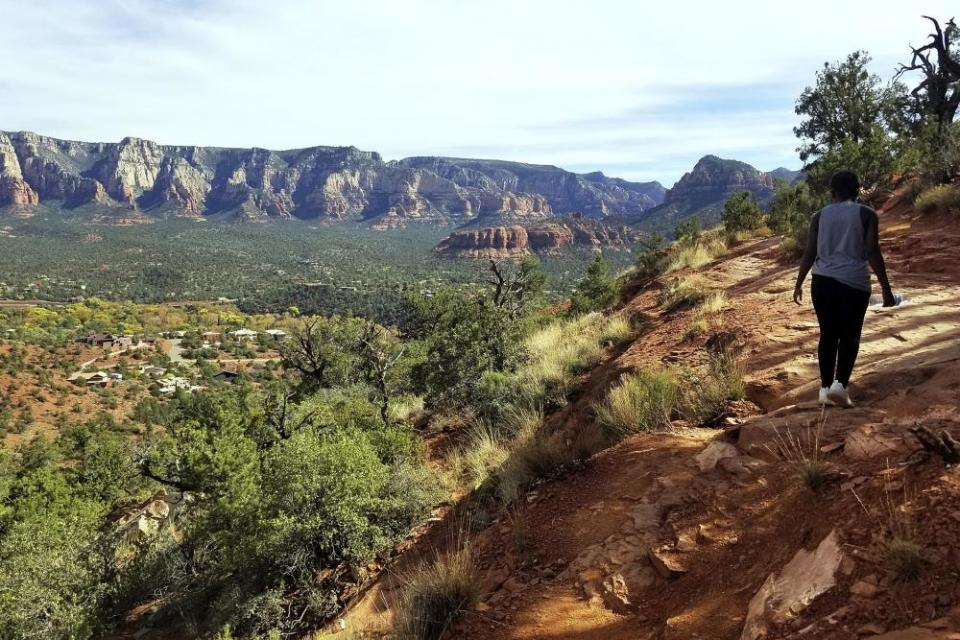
(711,533)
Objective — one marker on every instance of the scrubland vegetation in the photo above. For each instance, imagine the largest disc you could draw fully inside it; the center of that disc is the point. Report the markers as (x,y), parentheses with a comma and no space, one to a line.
(258,508)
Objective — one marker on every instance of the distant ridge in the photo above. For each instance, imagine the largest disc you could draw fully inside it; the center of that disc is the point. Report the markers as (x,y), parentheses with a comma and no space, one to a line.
(332,183)
(702,192)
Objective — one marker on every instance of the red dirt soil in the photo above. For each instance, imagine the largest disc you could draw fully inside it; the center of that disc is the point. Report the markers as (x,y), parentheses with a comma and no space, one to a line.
(586,535)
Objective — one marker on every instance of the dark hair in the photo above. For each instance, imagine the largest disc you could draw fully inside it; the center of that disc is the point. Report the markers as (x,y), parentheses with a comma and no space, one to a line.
(845,185)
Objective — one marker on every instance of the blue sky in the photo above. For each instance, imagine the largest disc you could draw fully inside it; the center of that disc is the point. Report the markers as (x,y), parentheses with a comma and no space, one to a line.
(634,90)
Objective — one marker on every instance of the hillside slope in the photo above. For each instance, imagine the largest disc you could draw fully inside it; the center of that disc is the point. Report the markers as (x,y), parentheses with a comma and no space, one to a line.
(673,535)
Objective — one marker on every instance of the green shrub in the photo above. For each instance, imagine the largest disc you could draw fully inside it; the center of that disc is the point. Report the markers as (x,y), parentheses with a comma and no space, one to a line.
(688,231)
(791,209)
(741,213)
(597,290)
(52,575)
(642,401)
(906,559)
(941,198)
(652,258)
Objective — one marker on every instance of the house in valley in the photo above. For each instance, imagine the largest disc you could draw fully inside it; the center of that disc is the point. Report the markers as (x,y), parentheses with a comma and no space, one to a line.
(226,376)
(244,334)
(106,340)
(90,379)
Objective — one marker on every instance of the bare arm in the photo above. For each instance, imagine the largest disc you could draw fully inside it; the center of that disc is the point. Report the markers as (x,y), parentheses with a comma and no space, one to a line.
(875,258)
(809,257)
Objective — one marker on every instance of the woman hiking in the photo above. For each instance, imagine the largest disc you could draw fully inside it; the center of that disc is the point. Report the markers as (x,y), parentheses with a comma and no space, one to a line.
(844,239)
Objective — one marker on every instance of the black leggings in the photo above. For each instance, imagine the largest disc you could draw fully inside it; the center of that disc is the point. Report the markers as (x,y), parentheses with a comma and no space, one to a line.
(840,311)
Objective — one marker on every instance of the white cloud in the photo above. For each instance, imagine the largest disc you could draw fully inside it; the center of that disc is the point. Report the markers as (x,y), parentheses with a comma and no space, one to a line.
(635,90)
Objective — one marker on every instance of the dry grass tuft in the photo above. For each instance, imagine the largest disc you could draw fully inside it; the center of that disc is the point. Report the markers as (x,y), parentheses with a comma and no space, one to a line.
(706,393)
(696,255)
(436,594)
(804,454)
(642,401)
(905,558)
(943,198)
(682,293)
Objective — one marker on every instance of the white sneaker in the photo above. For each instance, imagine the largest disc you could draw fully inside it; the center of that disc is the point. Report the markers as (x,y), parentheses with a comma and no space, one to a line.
(838,394)
(824,398)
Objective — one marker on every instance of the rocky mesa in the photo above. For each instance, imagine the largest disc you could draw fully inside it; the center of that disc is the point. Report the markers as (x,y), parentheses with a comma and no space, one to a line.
(516,240)
(333,183)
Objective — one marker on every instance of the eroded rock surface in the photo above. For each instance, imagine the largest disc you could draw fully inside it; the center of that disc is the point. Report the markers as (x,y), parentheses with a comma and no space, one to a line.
(317,182)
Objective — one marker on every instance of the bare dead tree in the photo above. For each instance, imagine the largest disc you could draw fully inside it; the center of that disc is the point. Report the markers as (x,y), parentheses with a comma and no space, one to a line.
(939,86)
(514,285)
(171,476)
(279,420)
(378,355)
(319,350)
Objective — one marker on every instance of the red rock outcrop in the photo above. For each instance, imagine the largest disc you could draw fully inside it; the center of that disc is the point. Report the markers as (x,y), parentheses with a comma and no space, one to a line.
(517,240)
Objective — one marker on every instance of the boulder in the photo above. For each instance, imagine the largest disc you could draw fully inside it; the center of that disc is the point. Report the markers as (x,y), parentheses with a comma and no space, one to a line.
(781,598)
(667,564)
(715,452)
(158,509)
(616,596)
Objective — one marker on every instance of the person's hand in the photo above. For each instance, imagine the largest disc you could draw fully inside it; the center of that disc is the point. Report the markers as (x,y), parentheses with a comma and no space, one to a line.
(888,299)
(798,294)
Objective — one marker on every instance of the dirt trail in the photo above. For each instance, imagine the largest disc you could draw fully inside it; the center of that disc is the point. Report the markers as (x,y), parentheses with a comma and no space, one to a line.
(650,541)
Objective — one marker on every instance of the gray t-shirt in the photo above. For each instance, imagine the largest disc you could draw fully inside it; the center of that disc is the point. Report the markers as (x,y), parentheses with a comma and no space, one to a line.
(842,243)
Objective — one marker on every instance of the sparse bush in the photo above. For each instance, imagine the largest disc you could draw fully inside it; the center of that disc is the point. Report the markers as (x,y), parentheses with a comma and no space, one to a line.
(405,408)
(436,594)
(563,349)
(707,393)
(697,327)
(942,198)
(912,190)
(688,231)
(643,401)
(714,303)
(652,257)
(904,555)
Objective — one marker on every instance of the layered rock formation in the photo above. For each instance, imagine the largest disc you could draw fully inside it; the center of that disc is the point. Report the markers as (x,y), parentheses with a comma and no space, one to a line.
(318,182)
(703,191)
(545,237)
